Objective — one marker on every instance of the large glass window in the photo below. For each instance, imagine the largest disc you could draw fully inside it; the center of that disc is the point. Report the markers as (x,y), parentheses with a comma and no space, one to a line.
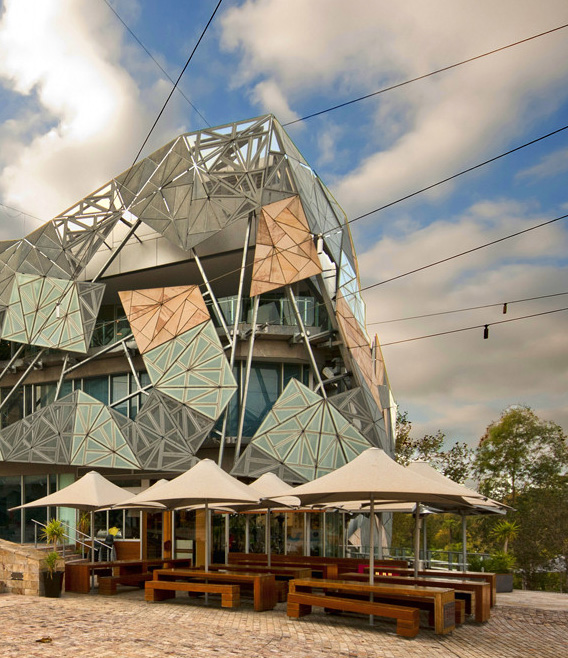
(35,486)
(97,387)
(263,391)
(10,495)
(184,529)
(334,534)
(14,408)
(295,534)
(119,390)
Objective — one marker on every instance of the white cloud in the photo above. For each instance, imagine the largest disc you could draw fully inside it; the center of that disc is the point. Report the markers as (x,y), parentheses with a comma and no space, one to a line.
(359,47)
(84,114)
(550,165)
(459,381)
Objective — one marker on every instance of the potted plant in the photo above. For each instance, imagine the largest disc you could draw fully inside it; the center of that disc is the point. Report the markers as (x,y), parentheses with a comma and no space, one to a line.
(53,533)
(502,564)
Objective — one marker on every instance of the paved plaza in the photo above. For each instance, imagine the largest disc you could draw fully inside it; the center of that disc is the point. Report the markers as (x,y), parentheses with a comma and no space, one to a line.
(125,626)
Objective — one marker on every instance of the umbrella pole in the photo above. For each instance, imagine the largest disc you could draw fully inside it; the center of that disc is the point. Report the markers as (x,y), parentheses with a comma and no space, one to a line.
(247,533)
(372,550)
(268,547)
(417,540)
(464,542)
(207,533)
(92,550)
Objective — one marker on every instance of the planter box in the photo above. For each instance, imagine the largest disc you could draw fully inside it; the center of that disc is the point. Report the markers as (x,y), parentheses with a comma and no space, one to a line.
(52,585)
(504,582)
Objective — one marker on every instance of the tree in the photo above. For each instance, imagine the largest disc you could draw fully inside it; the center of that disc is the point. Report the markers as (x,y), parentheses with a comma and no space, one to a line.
(455,462)
(505,531)
(519,452)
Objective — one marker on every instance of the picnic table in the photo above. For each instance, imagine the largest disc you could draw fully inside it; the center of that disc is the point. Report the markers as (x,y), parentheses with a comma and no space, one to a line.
(476,594)
(281,573)
(378,599)
(171,580)
(483,576)
(111,573)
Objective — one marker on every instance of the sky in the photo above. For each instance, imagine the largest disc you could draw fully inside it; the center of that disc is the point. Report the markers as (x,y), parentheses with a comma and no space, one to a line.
(78,95)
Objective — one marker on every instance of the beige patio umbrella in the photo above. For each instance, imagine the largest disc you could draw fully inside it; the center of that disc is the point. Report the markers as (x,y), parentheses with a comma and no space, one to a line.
(90,493)
(478,506)
(204,484)
(373,476)
(267,486)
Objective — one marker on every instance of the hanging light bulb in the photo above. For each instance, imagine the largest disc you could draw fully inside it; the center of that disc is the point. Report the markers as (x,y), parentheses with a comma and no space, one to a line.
(486,332)
(504,309)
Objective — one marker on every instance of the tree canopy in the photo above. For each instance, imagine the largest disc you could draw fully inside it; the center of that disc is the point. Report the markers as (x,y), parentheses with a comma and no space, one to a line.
(520,452)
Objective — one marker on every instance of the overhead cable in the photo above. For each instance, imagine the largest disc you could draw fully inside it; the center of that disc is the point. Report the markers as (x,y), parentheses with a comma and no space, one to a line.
(422,77)
(139,42)
(469,308)
(463,253)
(477,326)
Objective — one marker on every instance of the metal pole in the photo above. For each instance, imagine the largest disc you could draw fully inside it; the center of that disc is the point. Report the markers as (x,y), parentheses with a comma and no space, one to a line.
(227,535)
(12,360)
(464,542)
(247,378)
(380,529)
(132,368)
(417,540)
(425,540)
(218,311)
(22,378)
(268,546)
(372,550)
(247,533)
(323,543)
(235,332)
(117,250)
(306,339)
(61,377)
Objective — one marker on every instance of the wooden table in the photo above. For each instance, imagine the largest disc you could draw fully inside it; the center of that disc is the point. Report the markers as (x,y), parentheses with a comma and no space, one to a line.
(483,576)
(283,575)
(78,574)
(479,593)
(263,584)
(442,600)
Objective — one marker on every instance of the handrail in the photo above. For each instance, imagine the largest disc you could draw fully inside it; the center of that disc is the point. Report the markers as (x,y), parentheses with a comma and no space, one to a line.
(74,540)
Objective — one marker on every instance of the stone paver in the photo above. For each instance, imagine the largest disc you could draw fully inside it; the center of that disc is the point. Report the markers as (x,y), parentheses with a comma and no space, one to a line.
(125,626)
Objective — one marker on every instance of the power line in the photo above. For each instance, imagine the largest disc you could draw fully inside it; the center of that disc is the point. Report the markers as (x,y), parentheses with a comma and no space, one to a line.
(449,178)
(422,77)
(178,79)
(463,253)
(139,42)
(469,308)
(477,326)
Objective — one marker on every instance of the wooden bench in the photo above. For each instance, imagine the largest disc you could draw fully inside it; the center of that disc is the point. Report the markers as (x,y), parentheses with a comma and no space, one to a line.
(282,574)
(440,602)
(263,585)
(478,592)
(161,590)
(407,619)
(107,584)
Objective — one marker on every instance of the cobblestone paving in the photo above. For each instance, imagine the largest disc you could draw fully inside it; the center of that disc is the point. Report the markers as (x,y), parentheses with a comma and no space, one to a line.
(125,626)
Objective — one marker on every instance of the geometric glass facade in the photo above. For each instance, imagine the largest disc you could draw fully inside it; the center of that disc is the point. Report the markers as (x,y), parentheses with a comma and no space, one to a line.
(203,303)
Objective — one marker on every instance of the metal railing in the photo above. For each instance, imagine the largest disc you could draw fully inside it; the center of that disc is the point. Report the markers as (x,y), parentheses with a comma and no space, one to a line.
(73,540)
(431,559)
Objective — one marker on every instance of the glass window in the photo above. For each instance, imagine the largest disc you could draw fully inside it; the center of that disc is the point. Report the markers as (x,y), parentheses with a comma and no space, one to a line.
(131,524)
(316,533)
(66,388)
(257,533)
(334,534)
(295,534)
(14,409)
(277,532)
(97,387)
(35,486)
(263,391)
(292,371)
(44,394)
(185,534)
(119,390)
(10,495)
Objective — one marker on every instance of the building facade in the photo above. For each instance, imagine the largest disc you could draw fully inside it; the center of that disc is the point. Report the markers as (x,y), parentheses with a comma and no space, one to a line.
(204,303)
